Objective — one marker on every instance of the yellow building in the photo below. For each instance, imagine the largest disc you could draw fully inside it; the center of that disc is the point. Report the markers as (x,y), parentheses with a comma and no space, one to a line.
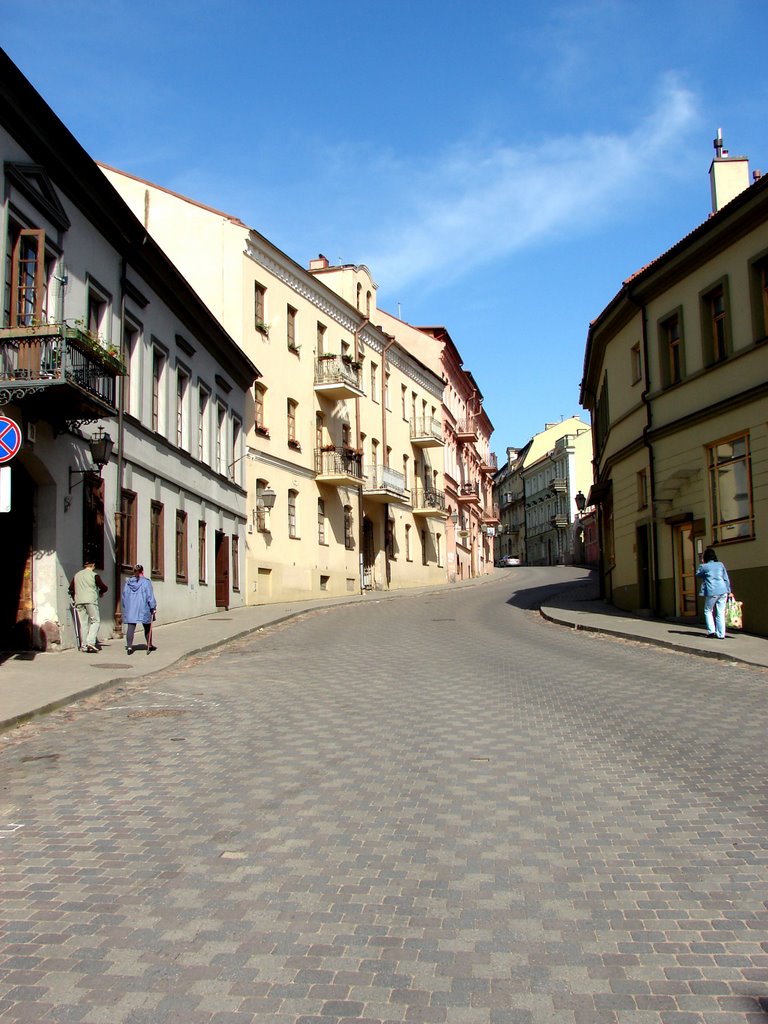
(676,380)
(338,496)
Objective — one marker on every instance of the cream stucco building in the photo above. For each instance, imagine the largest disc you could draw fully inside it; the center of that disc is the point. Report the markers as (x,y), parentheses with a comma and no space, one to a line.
(344,490)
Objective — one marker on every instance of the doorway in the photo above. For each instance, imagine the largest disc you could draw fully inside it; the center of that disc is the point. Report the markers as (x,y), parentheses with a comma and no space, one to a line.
(686,570)
(16,564)
(369,554)
(643,556)
(222,569)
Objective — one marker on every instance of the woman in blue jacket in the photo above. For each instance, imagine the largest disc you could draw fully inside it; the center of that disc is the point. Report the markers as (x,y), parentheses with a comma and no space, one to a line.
(139,605)
(716,588)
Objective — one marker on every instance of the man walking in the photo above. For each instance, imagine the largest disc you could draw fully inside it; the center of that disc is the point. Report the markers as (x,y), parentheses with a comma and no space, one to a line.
(86,588)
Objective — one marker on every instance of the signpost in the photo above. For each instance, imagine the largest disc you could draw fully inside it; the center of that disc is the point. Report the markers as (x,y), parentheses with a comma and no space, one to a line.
(10,442)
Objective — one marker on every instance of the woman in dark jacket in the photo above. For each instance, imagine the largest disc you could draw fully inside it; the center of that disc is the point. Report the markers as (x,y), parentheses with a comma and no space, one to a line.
(139,605)
(716,588)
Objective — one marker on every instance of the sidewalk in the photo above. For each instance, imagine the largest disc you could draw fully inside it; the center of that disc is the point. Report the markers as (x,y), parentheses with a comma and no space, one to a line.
(32,682)
(580,608)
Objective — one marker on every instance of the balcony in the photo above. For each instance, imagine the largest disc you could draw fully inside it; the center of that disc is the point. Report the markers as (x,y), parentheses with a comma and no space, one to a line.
(490,515)
(427,432)
(559,485)
(384,485)
(337,377)
(490,464)
(429,502)
(466,430)
(60,373)
(560,522)
(469,494)
(338,467)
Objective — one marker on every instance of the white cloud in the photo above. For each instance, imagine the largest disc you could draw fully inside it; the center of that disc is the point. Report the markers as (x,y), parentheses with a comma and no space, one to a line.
(480,202)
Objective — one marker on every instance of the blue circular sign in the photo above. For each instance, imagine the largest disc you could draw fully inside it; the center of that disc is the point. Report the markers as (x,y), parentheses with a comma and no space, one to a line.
(10,439)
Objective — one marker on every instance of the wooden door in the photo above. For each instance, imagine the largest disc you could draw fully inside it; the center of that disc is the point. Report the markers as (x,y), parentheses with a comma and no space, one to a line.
(686,570)
(222,570)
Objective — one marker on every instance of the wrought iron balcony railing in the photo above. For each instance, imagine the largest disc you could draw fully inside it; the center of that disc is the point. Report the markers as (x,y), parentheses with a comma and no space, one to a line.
(337,462)
(61,368)
(427,431)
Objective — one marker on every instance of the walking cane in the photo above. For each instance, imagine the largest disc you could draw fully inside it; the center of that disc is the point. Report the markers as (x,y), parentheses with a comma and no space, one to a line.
(149,636)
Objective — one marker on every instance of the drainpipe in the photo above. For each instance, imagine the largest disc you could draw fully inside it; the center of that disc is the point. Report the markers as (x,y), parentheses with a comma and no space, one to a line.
(655,603)
(118,616)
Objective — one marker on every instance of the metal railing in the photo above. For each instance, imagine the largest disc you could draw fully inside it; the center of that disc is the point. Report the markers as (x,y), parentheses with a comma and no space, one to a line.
(428,497)
(426,426)
(382,478)
(55,353)
(335,369)
(337,461)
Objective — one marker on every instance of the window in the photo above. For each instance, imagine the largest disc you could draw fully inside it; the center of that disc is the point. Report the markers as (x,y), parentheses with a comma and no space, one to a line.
(424,552)
(319,425)
(346,435)
(636,362)
(27,279)
(158,366)
(389,539)
(359,294)
(93,519)
(320,521)
(671,350)
(131,398)
(349,538)
(405,472)
(128,525)
(261,512)
(182,415)
(203,429)
(714,325)
(221,430)
(374,369)
(438,550)
(202,551)
(730,485)
(759,288)
(291,329)
(601,419)
(386,390)
(156,540)
(642,489)
(293,528)
(291,408)
(98,313)
(181,546)
(234,469)
(259,399)
(320,338)
(408,544)
(235,562)
(404,400)
(259,301)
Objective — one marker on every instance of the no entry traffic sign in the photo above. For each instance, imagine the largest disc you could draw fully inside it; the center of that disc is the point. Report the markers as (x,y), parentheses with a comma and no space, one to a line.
(10,439)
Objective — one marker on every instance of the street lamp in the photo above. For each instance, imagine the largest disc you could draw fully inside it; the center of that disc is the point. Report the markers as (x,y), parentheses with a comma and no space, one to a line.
(266,498)
(581,502)
(100,445)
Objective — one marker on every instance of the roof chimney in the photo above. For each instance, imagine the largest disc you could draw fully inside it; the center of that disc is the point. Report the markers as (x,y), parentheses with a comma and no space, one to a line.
(321,263)
(728,175)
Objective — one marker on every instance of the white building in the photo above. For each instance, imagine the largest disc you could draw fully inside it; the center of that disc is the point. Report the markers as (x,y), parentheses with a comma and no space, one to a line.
(101,334)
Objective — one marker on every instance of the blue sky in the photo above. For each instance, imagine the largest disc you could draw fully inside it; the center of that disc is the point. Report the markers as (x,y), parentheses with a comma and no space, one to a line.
(500,166)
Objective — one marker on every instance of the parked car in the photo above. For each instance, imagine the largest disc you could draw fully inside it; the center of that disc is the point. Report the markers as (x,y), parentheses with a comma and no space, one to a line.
(508,560)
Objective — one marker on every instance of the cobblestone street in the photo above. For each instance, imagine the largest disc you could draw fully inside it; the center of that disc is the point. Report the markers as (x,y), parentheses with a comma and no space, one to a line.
(435,809)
